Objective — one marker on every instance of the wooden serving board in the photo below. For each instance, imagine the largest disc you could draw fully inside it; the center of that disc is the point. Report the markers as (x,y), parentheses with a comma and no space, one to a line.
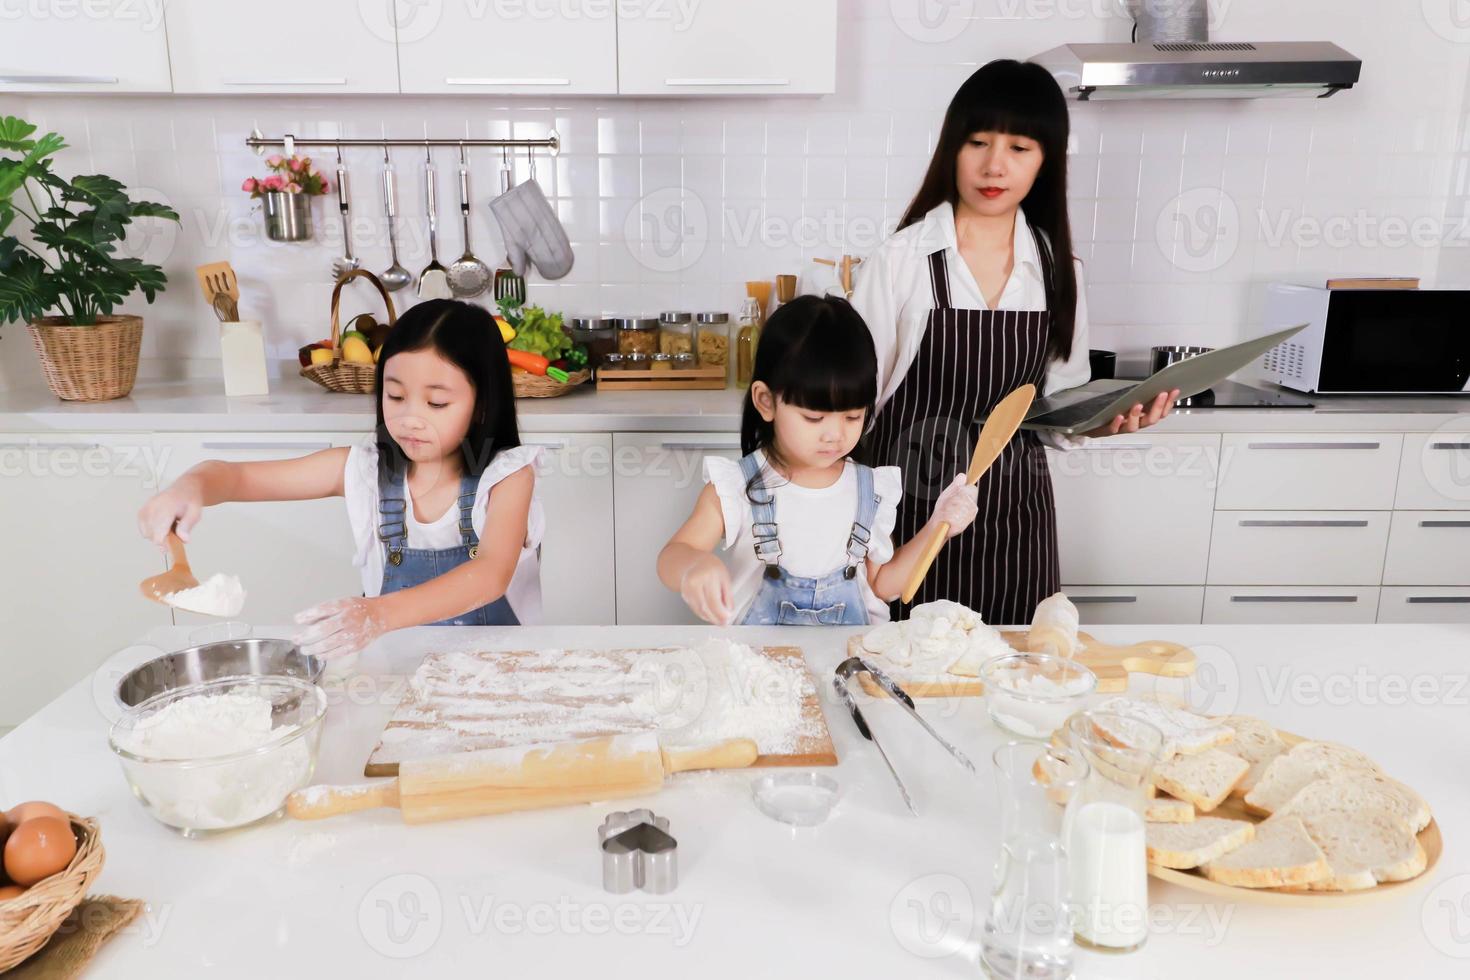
(460,702)
(1111,664)
(1234,808)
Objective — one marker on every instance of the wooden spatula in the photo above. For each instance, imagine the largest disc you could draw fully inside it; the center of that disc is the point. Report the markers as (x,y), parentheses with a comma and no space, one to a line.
(178,577)
(1002,423)
(472,784)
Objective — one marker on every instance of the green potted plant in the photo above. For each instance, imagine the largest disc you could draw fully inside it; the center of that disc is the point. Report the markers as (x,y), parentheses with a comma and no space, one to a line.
(65,277)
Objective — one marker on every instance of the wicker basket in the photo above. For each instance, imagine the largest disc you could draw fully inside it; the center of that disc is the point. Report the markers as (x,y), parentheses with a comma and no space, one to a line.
(27,922)
(89,363)
(341,376)
(530,385)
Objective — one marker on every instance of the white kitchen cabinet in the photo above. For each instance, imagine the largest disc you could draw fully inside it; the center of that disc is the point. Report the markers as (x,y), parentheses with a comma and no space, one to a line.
(1290,604)
(1136,509)
(1434,473)
(289,555)
(74,559)
(1428,547)
(1298,547)
(745,47)
(1110,604)
(1309,471)
(511,48)
(278,46)
(1420,604)
(657,478)
(96,46)
(575,484)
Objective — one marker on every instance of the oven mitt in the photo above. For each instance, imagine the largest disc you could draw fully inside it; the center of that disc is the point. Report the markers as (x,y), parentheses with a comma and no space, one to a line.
(532,232)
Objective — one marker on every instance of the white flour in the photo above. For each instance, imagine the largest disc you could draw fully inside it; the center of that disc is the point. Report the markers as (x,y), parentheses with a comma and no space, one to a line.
(225,794)
(745,695)
(938,638)
(219,595)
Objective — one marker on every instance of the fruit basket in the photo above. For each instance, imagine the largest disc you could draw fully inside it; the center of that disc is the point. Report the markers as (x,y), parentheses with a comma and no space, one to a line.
(337,373)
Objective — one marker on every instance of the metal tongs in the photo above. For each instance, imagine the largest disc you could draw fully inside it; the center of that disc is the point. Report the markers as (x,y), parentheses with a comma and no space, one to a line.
(857,665)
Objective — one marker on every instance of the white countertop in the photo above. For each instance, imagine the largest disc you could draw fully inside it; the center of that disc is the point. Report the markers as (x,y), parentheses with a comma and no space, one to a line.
(296,405)
(873,892)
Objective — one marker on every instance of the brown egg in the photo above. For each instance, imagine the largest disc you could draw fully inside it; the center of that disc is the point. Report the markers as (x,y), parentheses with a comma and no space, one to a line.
(38,849)
(22,812)
(8,892)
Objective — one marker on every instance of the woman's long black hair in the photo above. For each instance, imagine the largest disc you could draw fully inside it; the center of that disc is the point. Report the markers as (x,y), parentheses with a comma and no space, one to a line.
(467,336)
(814,353)
(1022,99)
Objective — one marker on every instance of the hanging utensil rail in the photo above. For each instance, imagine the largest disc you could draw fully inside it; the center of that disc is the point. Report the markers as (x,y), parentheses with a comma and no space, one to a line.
(258,142)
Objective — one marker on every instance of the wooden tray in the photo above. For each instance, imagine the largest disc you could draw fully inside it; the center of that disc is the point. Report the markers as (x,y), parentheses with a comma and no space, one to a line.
(513,693)
(1111,664)
(1234,809)
(712,378)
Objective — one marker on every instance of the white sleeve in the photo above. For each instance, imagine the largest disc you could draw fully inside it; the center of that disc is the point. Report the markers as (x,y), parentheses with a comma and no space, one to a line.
(506,462)
(888,484)
(360,491)
(728,480)
(1075,370)
(874,298)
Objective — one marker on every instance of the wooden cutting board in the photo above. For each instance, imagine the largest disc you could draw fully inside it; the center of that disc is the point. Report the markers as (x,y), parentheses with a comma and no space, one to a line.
(462,702)
(1111,664)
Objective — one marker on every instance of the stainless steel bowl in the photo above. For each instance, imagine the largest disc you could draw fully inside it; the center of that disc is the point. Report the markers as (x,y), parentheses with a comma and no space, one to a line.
(197,665)
(1162,357)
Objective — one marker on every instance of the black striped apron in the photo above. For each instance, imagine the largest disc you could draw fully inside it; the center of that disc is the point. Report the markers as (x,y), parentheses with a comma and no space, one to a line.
(968,360)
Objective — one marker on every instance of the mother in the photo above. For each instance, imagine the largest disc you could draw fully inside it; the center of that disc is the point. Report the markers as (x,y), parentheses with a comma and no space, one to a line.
(966,302)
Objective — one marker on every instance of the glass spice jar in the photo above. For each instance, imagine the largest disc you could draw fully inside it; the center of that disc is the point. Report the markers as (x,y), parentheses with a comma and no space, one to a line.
(685,361)
(663,362)
(747,340)
(599,336)
(712,342)
(675,332)
(637,335)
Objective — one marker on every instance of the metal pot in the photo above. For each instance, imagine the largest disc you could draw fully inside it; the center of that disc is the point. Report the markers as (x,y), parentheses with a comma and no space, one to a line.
(287,216)
(1162,357)
(195,665)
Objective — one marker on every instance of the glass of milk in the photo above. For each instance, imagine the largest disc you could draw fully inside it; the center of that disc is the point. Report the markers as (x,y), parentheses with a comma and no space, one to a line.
(1104,829)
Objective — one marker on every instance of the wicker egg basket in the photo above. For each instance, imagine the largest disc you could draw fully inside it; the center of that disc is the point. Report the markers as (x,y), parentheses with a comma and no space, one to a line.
(340,375)
(29,921)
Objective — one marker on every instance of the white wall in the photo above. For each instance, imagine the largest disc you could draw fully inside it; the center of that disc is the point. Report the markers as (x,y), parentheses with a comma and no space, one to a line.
(1379,169)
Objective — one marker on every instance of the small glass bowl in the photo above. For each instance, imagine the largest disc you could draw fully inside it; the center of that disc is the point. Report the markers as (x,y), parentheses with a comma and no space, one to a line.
(801,799)
(203,795)
(1031,695)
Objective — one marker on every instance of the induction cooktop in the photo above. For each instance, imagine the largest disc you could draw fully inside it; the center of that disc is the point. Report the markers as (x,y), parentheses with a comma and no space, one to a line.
(1233,394)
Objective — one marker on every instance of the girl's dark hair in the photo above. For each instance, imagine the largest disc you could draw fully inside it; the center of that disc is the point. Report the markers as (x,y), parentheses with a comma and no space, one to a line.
(815,353)
(1022,99)
(466,336)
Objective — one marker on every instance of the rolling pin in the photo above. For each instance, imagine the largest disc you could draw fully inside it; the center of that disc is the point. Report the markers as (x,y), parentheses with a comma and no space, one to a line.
(472,784)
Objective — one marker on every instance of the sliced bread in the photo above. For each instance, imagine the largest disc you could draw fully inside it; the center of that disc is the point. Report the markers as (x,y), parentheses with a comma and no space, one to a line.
(1364,847)
(1189,845)
(1204,780)
(1352,791)
(1166,810)
(1185,733)
(1257,743)
(1304,763)
(1281,855)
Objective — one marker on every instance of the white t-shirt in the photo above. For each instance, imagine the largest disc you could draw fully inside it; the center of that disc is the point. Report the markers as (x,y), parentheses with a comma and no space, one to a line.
(360,486)
(813,526)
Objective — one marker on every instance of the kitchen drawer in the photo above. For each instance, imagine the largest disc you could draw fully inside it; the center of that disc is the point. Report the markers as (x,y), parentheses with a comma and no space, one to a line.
(1308,471)
(1298,547)
(1428,547)
(1107,604)
(1399,604)
(1435,471)
(1290,604)
(1137,507)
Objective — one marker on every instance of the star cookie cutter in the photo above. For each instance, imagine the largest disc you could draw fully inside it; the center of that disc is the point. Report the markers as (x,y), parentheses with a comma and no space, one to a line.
(638,852)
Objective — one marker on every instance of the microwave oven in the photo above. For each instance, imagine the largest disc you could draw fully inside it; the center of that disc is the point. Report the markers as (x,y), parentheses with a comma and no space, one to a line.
(1370,341)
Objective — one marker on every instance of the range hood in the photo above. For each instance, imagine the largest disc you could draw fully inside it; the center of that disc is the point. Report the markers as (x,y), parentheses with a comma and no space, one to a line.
(1201,70)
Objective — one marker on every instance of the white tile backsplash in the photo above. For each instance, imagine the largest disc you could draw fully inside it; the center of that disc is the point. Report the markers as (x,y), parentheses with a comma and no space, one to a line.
(1250,191)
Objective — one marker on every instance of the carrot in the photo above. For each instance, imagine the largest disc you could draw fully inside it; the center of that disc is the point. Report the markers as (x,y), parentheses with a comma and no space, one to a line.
(527,361)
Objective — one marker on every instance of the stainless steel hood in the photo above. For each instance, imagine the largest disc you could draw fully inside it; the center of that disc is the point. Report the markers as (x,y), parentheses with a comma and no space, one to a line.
(1201,70)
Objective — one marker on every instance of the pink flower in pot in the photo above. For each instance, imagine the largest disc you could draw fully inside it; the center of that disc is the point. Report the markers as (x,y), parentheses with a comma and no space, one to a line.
(293,188)
(249,185)
(274,182)
(274,160)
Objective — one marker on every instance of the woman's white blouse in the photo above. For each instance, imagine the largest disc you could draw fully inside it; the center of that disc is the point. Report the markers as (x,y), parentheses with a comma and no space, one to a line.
(894,296)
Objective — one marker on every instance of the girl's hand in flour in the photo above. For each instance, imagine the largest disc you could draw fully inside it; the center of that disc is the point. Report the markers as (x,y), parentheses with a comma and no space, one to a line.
(957,504)
(180,504)
(339,627)
(707,590)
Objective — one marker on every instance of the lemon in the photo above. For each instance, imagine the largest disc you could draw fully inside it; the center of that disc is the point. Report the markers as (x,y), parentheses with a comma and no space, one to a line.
(321,355)
(356,351)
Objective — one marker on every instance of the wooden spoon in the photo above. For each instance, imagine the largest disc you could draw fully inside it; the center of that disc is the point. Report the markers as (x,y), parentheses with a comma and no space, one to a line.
(178,577)
(1002,423)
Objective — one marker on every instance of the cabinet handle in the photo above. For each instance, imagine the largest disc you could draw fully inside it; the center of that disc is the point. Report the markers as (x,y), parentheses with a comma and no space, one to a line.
(1303,523)
(283,81)
(698,446)
(1115,447)
(507,81)
(1444,523)
(1314,445)
(550,445)
(1293,598)
(707,82)
(1086,600)
(310,447)
(59,79)
(50,445)
(1451,446)
(1426,600)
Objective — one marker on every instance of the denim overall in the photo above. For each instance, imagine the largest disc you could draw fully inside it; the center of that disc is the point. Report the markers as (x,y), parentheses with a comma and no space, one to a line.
(405,567)
(834,599)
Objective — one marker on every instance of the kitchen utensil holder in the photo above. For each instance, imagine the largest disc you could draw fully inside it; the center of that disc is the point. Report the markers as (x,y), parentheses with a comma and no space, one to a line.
(258,142)
(287,216)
